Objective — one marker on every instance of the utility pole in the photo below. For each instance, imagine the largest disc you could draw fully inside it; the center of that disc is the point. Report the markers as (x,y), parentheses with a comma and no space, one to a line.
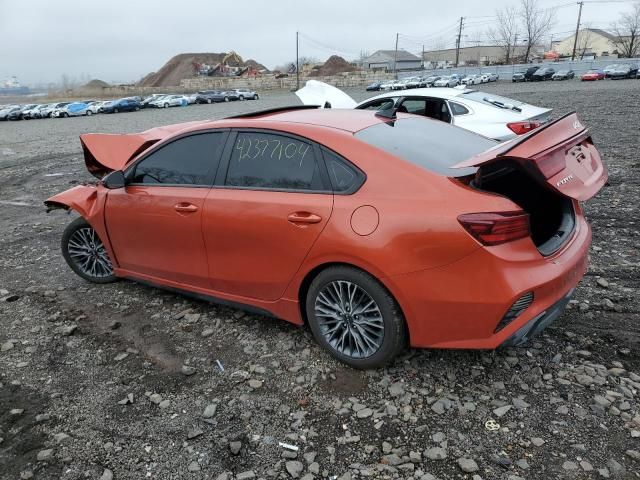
(458,41)
(575,40)
(395,59)
(297,64)
(515,48)
(422,61)
(551,43)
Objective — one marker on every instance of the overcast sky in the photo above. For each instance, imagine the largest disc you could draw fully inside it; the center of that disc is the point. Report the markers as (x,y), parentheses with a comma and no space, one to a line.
(122,40)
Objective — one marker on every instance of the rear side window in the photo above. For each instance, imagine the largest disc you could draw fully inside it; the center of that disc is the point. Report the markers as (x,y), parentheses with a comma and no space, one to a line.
(379,104)
(435,146)
(458,109)
(345,178)
(189,160)
(270,161)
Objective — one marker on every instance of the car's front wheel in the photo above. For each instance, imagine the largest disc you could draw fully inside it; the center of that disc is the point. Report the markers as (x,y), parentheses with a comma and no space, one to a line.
(255,97)
(226,99)
(355,318)
(85,253)
(208,100)
(89,113)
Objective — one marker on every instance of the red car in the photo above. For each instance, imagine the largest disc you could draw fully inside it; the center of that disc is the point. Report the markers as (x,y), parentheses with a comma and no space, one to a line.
(592,75)
(377,229)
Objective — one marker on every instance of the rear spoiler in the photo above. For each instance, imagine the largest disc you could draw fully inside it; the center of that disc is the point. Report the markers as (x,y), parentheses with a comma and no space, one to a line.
(104,152)
(536,142)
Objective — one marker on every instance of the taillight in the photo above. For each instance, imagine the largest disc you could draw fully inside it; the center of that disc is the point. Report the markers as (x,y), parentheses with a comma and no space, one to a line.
(520,128)
(494,228)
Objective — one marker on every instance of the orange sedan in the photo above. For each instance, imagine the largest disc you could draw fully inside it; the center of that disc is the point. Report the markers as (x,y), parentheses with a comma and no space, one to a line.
(377,229)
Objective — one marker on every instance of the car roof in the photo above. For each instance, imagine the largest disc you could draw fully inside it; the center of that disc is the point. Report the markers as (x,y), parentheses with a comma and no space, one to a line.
(349,120)
(422,92)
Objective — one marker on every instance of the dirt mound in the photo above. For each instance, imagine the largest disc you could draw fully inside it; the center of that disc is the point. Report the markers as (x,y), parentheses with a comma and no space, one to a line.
(258,66)
(95,83)
(333,66)
(179,67)
(183,65)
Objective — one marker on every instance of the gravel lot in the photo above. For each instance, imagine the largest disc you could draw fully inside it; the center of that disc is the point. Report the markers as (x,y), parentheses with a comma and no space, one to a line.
(124,381)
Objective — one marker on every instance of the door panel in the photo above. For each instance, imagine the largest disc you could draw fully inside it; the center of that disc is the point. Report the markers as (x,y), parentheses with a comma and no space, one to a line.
(256,240)
(158,231)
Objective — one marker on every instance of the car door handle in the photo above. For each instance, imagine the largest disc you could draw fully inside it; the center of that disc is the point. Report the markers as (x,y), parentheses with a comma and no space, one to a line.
(304,217)
(185,207)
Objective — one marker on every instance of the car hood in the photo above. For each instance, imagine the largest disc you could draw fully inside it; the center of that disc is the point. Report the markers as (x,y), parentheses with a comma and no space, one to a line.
(104,152)
(319,93)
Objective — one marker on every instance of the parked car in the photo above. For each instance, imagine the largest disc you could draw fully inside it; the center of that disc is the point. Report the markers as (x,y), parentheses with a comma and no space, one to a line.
(623,70)
(32,112)
(246,94)
(493,77)
(592,75)
(18,113)
(563,75)
(490,115)
(4,113)
(608,69)
(526,75)
(544,73)
(191,99)
(48,110)
(500,266)
(170,101)
(73,109)
(388,85)
(471,80)
(450,81)
(122,105)
(151,98)
(373,87)
(431,80)
(412,82)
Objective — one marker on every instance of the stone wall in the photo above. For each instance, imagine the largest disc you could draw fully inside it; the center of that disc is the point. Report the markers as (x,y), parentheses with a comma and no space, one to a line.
(354,79)
(190,85)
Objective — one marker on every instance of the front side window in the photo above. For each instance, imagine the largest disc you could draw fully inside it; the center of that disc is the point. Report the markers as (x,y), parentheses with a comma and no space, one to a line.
(190,160)
(271,161)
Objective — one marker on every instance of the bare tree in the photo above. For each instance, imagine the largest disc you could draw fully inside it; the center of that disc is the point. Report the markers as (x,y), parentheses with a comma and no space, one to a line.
(505,32)
(536,23)
(627,31)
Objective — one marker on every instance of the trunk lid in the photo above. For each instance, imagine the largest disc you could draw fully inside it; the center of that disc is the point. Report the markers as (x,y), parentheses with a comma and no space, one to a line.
(560,153)
(324,95)
(104,153)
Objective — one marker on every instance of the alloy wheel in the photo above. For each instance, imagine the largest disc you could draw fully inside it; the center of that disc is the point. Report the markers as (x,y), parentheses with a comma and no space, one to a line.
(87,251)
(349,319)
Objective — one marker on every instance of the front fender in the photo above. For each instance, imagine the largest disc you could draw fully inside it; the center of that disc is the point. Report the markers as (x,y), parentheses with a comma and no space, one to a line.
(89,201)
(82,199)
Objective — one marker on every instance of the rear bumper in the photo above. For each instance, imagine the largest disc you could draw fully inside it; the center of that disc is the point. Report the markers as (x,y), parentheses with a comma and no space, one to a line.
(537,324)
(461,304)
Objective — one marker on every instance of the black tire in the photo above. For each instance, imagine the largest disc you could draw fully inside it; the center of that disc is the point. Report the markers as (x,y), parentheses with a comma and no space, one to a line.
(226,99)
(255,97)
(208,100)
(166,105)
(89,113)
(77,225)
(394,332)
(115,110)
(137,109)
(241,98)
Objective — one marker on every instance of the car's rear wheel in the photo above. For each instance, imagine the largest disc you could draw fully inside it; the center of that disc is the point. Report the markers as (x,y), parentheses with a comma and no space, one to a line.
(166,105)
(255,97)
(354,317)
(241,97)
(85,253)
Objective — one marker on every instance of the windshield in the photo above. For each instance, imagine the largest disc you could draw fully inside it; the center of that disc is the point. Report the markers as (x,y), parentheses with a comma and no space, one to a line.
(430,144)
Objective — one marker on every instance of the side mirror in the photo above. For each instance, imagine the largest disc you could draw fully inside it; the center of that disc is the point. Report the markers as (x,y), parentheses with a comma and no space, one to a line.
(114,180)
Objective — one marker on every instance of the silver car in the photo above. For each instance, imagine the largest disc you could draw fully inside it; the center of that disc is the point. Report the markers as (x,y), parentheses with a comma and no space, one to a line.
(246,94)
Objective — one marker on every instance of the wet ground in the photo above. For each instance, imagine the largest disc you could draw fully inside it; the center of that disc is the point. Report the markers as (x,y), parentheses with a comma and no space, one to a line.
(92,377)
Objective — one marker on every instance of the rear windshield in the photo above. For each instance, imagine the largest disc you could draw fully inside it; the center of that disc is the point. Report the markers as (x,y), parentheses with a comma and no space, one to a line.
(430,144)
(490,98)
